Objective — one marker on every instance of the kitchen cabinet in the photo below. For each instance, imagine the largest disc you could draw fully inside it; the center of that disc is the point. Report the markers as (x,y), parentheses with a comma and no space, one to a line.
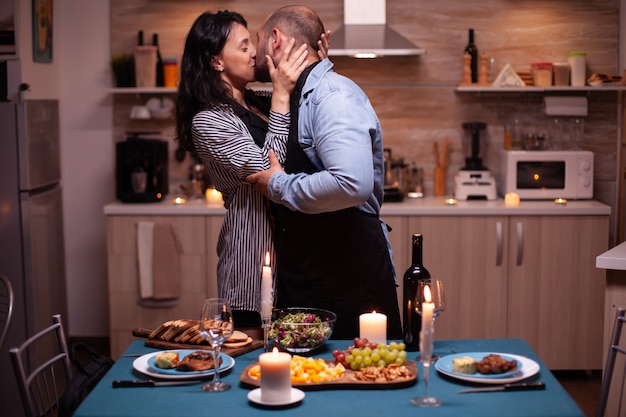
(530,277)
(198,237)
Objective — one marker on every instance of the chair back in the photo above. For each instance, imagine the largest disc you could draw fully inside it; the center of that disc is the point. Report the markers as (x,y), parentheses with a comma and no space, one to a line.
(614,377)
(6,307)
(42,369)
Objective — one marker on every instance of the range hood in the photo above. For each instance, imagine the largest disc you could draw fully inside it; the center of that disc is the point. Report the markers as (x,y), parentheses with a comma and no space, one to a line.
(365,33)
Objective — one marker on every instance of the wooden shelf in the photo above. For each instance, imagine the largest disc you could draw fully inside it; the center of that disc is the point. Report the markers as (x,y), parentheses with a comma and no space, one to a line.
(489,89)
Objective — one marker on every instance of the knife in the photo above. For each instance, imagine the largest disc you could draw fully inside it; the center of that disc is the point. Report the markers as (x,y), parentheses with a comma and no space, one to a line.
(520,386)
(151,383)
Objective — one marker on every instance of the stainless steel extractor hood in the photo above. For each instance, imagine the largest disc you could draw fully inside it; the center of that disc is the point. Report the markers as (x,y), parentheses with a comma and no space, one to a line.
(365,33)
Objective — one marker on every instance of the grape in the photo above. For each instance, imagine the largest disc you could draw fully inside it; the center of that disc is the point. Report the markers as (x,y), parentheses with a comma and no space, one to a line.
(364,353)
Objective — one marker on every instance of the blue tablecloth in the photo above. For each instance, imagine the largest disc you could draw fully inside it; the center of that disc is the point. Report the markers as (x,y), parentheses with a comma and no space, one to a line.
(190,400)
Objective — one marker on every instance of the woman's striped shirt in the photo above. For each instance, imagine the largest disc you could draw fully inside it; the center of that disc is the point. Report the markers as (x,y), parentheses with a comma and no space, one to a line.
(230,154)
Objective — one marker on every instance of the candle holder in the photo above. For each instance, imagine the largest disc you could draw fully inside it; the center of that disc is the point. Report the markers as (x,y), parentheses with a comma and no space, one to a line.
(265,325)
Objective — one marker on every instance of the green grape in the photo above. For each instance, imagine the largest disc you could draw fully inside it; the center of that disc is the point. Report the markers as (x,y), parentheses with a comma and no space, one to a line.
(375,356)
(393,346)
(358,359)
(401,346)
(357,352)
(399,361)
(355,366)
(402,354)
(382,363)
(367,360)
(349,358)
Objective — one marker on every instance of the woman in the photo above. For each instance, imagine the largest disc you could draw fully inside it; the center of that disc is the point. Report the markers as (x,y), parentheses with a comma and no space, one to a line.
(231,129)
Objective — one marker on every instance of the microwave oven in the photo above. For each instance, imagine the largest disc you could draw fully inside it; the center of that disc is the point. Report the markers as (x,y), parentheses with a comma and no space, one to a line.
(546,175)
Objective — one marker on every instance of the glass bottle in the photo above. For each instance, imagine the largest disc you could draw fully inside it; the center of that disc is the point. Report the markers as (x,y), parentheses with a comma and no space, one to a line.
(160,77)
(411,320)
(472,50)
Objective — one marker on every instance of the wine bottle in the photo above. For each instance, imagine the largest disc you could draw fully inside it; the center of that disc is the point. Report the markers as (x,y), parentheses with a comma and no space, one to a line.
(160,78)
(472,50)
(140,38)
(411,320)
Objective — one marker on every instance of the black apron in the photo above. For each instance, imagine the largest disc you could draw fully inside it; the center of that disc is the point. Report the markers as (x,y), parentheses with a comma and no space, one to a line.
(337,261)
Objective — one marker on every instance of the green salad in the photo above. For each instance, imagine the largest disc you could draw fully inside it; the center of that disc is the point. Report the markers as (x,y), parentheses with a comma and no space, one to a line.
(300,330)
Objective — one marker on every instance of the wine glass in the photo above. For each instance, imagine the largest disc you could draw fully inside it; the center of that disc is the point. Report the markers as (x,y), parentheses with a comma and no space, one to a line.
(437,298)
(216,325)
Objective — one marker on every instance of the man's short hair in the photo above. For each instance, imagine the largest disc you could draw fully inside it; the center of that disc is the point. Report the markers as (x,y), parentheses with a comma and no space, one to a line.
(298,22)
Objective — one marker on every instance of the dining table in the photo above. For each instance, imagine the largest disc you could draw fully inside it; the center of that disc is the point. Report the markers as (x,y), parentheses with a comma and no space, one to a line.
(327,401)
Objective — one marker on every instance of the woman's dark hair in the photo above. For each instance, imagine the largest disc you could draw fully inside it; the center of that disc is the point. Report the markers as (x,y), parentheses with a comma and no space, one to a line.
(201,86)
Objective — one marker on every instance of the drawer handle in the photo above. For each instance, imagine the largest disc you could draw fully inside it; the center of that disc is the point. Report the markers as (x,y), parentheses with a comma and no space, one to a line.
(499,243)
(520,243)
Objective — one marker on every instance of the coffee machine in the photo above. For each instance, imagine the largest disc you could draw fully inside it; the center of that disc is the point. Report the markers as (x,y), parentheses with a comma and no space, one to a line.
(474,181)
(141,169)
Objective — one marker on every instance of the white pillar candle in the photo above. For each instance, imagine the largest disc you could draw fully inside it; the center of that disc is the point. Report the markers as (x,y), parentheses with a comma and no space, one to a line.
(427,333)
(511,200)
(275,376)
(373,327)
(213,196)
(266,289)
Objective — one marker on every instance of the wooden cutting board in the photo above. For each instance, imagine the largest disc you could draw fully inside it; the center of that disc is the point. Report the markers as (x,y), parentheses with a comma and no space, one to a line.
(162,344)
(347,381)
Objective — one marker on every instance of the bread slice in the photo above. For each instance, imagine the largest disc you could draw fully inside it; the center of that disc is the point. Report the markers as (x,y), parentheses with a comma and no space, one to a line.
(237,336)
(237,345)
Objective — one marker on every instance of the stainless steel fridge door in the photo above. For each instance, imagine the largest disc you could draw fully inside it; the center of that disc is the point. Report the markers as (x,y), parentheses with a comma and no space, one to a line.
(38,141)
(44,257)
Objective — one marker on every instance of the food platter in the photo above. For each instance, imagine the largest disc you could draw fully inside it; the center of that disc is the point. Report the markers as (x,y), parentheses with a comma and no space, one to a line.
(526,368)
(347,381)
(145,365)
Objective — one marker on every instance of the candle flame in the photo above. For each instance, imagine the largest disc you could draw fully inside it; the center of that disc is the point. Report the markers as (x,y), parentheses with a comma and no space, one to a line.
(267,259)
(427,296)
(275,351)
(374,312)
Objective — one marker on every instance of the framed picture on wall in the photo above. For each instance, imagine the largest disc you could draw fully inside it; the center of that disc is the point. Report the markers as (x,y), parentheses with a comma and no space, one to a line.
(42,30)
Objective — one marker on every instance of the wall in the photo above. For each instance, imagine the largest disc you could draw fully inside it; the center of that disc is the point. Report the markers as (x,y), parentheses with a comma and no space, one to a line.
(415,97)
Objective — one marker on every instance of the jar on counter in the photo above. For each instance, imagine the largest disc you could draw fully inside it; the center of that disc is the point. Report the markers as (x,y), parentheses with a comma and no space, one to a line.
(542,74)
(578,68)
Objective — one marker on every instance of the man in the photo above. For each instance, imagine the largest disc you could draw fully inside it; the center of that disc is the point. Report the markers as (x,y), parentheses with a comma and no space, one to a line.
(332,250)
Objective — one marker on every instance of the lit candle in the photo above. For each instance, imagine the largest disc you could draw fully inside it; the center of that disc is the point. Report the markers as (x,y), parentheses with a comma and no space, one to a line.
(373,327)
(275,376)
(213,196)
(179,200)
(266,288)
(511,200)
(560,200)
(427,333)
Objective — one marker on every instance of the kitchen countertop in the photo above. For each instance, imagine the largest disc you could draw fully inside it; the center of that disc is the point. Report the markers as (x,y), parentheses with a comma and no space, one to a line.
(428,206)
(614,258)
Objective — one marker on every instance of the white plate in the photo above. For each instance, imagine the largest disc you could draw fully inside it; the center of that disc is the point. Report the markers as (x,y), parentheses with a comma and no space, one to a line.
(528,368)
(142,364)
(296,396)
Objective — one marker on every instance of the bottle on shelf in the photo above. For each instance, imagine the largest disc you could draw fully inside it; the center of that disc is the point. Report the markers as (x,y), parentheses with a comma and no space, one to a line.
(160,78)
(411,320)
(472,50)
(140,38)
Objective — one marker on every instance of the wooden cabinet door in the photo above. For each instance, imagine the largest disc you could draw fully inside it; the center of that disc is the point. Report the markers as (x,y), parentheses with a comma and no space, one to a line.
(556,294)
(125,311)
(469,254)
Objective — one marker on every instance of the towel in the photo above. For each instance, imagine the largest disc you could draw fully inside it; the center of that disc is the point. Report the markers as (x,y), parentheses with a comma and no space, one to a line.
(158,253)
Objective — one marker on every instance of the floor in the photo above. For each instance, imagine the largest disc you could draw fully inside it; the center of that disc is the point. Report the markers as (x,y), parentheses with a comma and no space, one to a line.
(583,387)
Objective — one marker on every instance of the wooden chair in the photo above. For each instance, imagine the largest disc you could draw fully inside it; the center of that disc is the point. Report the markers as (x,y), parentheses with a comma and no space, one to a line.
(614,383)
(42,369)
(6,307)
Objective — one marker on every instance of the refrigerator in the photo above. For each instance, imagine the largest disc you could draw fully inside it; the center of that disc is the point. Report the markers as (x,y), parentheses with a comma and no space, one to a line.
(31,228)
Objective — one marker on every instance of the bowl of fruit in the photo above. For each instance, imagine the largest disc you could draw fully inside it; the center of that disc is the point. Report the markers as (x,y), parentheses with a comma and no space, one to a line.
(300,329)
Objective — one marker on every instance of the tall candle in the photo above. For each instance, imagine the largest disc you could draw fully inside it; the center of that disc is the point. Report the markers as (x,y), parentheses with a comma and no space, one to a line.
(275,376)
(373,327)
(426,336)
(266,288)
